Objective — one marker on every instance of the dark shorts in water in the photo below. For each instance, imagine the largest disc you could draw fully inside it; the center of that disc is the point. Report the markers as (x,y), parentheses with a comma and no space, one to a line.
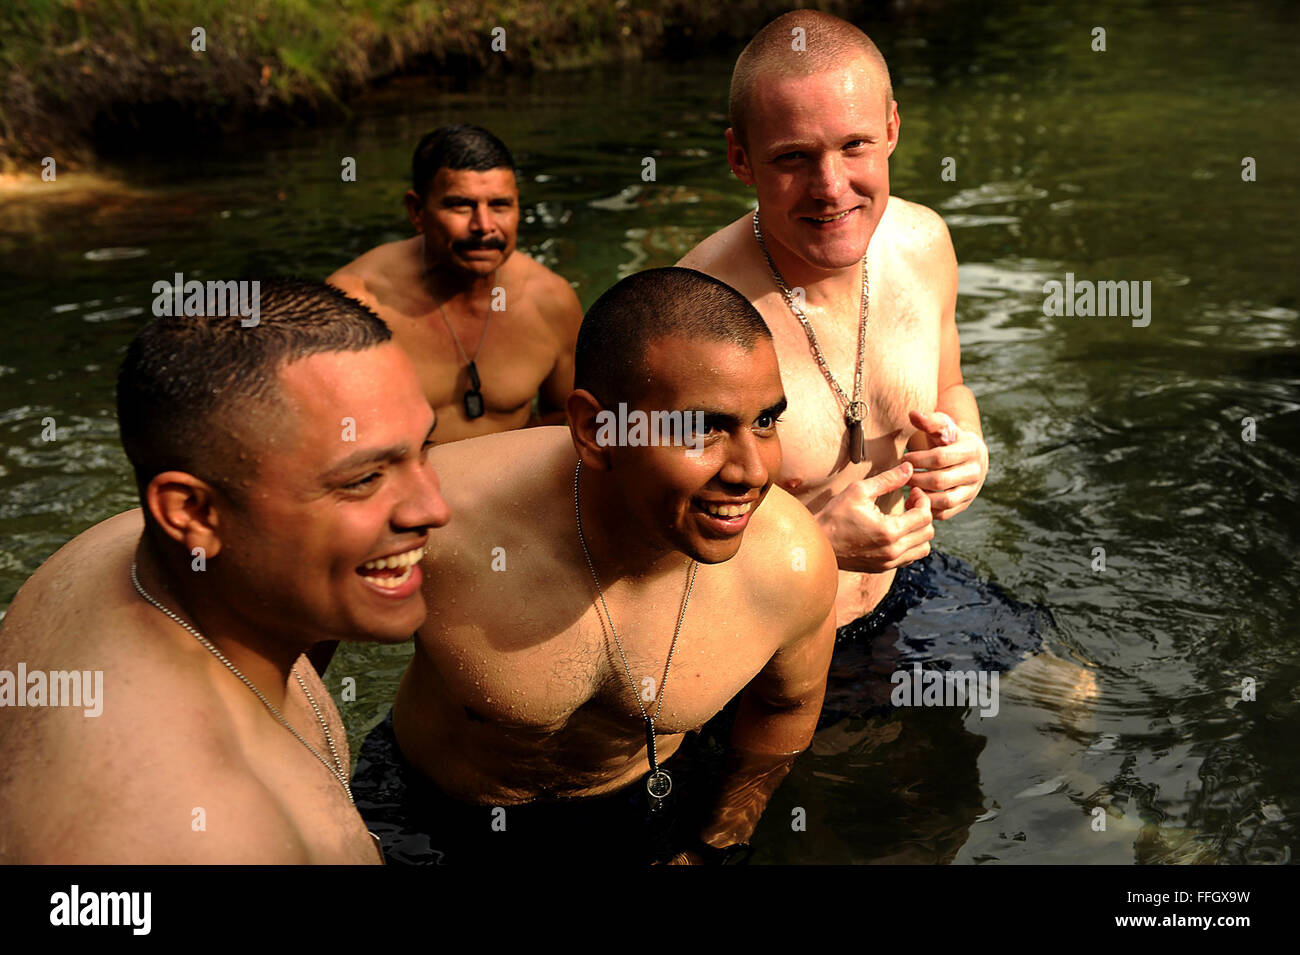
(419,824)
(938,613)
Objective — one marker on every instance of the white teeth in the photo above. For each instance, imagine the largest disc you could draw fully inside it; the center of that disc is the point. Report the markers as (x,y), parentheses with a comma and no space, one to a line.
(727,510)
(399,560)
(839,215)
(390,583)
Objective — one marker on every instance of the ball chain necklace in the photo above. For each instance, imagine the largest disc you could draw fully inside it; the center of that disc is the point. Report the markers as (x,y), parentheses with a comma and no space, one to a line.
(855,411)
(337,769)
(474,393)
(659,783)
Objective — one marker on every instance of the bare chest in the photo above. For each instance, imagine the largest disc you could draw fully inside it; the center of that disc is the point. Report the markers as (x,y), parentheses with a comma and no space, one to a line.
(578,682)
(900,374)
(513,353)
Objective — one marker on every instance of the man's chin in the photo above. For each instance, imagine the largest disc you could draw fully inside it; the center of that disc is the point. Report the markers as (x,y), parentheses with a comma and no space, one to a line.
(396,626)
(709,551)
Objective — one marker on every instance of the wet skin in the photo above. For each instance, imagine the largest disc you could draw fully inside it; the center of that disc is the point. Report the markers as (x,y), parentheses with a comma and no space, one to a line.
(817,155)
(283,553)
(515,692)
(464,259)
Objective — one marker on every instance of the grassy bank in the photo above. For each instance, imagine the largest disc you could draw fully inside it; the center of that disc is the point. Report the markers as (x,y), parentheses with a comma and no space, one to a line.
(76,75)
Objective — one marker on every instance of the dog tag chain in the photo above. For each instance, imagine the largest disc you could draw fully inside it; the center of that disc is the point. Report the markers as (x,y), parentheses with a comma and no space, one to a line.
(855,411)
(659,783)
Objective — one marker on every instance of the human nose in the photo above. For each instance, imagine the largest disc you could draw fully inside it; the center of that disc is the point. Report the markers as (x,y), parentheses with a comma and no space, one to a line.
(422,505)
(745,465)
(480,220)
(828,181)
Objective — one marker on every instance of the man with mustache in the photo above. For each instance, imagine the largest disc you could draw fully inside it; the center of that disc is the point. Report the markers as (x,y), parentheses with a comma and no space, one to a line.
(593,604)
(489,328)
(286,496)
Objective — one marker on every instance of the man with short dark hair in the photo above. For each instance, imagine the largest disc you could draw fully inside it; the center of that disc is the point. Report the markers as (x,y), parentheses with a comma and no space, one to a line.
(488,327)
(286,498)
(592,604)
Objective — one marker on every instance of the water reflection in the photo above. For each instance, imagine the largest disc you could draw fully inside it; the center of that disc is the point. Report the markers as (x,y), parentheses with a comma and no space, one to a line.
(1122,166)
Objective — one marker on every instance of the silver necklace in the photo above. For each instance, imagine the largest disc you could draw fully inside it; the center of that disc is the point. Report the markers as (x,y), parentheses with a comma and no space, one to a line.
(337,769)
(659,783)
(474,393)
(855,411)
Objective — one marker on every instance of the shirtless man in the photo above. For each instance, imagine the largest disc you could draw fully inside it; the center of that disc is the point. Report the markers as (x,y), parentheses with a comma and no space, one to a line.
(520,726)
(275,464)
(812,130)
(486,326)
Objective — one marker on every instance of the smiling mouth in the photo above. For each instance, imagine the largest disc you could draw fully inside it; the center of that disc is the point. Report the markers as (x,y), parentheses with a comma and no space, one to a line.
(833,217)
(391,572)
(726,510)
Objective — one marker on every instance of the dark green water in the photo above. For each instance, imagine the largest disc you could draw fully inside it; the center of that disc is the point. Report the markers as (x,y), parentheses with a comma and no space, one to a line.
(1123,165)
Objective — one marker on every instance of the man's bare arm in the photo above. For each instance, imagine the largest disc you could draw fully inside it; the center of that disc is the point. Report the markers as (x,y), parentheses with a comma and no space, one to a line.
(563,313)
(777,716)
(949,442)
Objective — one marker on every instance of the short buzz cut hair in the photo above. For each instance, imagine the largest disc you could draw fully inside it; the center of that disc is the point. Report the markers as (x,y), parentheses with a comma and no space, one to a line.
(459,146)
(828,41)
(609,359)
(190,387)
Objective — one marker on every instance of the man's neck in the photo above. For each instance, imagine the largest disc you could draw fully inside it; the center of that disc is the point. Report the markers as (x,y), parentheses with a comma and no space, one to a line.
(821,287)
(617,551)
(195,598)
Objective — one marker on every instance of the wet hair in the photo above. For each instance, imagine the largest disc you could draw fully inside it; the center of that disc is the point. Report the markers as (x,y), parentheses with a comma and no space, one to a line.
(461,146)
(829,42)
(191,388)
(609,359)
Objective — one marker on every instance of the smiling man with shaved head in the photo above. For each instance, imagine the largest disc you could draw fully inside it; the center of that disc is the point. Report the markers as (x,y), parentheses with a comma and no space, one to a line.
(603,593)
(859,289)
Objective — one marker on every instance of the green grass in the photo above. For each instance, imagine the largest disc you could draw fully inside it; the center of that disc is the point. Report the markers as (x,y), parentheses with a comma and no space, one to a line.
(66,63)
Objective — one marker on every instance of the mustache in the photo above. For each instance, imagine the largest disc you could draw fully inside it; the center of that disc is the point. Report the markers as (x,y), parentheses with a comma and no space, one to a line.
(474,244)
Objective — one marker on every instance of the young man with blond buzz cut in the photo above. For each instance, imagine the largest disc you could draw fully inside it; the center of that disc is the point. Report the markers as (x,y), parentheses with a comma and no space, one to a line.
(831,257)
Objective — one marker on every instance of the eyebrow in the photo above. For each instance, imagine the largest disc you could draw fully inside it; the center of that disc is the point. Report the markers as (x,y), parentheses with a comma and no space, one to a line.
(779,149)
(359,459)
(452,200)
(775,410)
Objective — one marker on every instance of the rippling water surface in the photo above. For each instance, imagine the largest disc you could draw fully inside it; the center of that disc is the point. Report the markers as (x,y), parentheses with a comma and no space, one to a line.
(1123,165)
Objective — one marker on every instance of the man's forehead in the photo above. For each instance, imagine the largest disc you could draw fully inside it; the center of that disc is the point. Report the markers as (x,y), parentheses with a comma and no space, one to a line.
(500,180)
(324,381)
(335,401)
(852,92)
(702,372)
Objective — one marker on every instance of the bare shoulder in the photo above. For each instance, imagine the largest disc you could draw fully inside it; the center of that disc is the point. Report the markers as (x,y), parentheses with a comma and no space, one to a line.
(76,578)
(368,277)
(919,234)
(791,561)
(554,297)
(496,468)
(713,253)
